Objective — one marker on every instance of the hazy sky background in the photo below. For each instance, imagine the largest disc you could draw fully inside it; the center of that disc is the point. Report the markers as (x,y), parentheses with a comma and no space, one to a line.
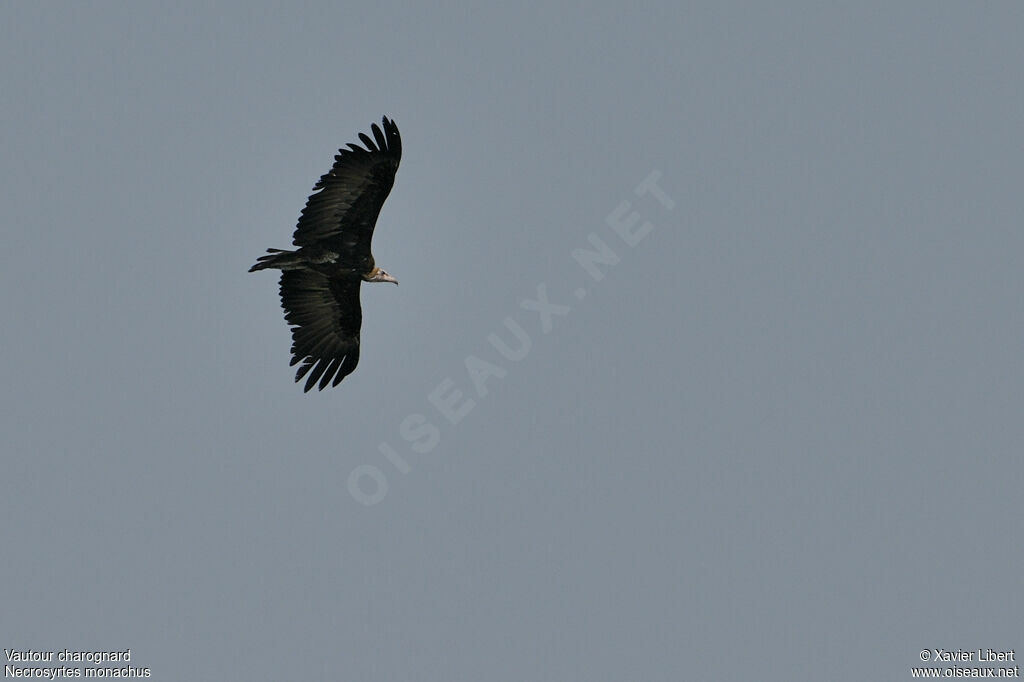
(780,439)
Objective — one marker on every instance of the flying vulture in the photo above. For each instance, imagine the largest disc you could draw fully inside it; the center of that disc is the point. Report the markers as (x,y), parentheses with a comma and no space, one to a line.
(320,280)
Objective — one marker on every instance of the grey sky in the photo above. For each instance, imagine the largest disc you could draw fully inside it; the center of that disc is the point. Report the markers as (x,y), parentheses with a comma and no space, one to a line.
(779,439)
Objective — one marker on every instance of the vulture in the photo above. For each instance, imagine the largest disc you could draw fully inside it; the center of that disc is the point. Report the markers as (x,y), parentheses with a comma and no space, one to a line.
(320,279)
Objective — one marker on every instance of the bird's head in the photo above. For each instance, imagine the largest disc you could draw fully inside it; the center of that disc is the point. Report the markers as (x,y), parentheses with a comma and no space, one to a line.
(378,275)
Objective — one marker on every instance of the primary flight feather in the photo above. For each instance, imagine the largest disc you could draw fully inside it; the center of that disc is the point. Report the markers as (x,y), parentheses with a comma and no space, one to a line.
(320,280)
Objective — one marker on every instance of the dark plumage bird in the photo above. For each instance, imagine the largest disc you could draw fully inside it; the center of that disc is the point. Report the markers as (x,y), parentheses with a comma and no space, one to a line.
(320,280)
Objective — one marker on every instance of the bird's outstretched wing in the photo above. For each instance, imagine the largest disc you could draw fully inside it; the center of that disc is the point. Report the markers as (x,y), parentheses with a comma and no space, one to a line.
(343,209)
(325,316)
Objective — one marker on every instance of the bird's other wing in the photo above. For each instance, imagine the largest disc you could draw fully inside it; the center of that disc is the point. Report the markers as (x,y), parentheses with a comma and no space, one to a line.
(341,212)
(325,316)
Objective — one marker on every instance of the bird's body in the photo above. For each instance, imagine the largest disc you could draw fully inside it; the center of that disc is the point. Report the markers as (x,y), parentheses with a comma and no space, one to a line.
(320,280)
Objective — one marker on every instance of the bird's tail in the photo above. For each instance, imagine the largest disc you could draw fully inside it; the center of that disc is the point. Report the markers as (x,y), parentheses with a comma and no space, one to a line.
(278,259)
